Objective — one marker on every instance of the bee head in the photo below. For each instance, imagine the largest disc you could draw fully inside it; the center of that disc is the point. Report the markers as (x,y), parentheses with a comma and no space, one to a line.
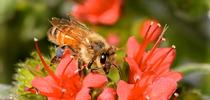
(106,59)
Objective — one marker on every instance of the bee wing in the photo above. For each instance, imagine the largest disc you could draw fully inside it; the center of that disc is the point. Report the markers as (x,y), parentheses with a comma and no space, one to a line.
(73,29)
(77,22)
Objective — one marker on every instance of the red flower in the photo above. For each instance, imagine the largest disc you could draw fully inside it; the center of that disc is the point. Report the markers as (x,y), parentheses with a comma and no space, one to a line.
(98,11)
(107,94)
(66,83)
(150,76)
(149,86)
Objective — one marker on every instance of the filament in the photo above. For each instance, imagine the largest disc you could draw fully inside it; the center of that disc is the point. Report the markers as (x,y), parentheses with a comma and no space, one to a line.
(46,67)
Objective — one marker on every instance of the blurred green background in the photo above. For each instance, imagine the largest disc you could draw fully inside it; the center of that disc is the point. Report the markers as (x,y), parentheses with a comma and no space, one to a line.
(189,30)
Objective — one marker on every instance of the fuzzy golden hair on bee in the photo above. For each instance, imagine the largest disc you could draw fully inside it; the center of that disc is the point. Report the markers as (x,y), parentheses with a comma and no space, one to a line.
(90,47)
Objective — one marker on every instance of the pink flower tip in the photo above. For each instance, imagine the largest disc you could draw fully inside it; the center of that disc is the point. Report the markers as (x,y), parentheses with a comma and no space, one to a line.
(105,12)
(113,39)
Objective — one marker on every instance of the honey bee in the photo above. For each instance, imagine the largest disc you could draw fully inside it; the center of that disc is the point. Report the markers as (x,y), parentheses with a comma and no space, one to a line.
(88,46)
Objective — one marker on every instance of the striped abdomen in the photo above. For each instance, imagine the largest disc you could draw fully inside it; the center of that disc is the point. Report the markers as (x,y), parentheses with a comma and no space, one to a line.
(61,38)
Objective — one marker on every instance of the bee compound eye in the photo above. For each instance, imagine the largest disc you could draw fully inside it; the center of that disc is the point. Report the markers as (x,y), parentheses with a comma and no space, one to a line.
(103,58)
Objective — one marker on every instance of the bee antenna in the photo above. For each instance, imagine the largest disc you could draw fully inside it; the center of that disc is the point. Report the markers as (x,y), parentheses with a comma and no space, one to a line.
(119,69)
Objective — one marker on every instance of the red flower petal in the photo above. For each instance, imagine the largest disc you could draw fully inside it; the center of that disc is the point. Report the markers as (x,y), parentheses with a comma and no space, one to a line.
(59,98)
(146,79)
(162,89)
(47,86)
(176,76)
(123,90)
(83,94)
(154,30)
(52,98)
(159,54)
(135,72)
(132,46)
(107,94)
(98,11)
(111,16)
(94,80)
(67,66)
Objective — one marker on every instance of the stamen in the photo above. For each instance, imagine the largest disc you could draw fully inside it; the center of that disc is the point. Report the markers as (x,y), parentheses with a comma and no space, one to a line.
(145,42)
(147,32)
(63,90)
(151,23)
(163,39)
(72,56)
(158,25)
(136,77)
(76,71)
(160,60)
(143,46)
(152,33)
(173,46)
(150,55)
(66,67)
(35,39)
(46,67)
(176,94)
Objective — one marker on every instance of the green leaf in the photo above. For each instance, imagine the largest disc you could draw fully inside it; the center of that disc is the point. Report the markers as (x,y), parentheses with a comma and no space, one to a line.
(188,68)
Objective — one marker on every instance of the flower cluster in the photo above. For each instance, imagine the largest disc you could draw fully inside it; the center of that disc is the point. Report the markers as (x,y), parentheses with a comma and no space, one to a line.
(66,83)
(150,76)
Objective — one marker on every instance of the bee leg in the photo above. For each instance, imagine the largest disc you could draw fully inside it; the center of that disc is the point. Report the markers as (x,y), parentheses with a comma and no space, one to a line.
(119,70)
(59,53)
(72,49)
(106,67)
(106,70)
(81,68)
(54,60)
(94,70)
(90,64)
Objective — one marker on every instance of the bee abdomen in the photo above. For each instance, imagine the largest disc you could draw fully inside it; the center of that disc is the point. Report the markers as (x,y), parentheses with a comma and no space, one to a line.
(53,31)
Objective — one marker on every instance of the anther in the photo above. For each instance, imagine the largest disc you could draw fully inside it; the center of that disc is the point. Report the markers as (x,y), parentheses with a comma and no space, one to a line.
(158,25)
(72,56)
(163,39)
(151,23)
(147,97)
(35,39)
(173,46)
(76,71)
(136,78)
(36,91)
(46,67)
(176,94)
(63,90)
